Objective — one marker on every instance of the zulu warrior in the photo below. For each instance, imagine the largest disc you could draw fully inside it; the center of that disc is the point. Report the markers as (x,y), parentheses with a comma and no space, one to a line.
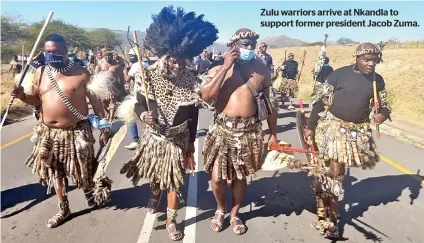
(234,145)
(285,80)
(264,57)
(109,77)
(15,66)
(171,113)
(63,136)
(322,68)
(340,123)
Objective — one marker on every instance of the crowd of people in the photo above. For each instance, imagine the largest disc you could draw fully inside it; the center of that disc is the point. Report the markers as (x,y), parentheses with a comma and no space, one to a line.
(181,76)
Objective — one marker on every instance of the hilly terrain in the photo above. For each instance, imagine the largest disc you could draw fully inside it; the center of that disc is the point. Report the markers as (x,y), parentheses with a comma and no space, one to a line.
(275,41)
(281,41)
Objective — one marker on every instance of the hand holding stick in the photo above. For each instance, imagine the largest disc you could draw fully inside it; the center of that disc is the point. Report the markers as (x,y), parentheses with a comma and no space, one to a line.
(141,69)
(29,61)
(376,105)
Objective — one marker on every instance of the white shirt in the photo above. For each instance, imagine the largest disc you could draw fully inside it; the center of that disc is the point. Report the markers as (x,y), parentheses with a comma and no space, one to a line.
(135,68)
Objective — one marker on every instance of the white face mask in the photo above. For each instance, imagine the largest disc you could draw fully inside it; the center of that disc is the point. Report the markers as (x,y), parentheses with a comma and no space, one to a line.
(246,55)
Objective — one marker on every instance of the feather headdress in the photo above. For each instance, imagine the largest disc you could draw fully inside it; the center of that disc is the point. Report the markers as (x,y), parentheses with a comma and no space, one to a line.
(179,34)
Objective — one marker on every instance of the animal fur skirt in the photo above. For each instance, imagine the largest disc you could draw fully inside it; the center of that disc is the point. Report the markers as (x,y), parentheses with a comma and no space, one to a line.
(347,143)
(63,153)
(235,145)
(160,160)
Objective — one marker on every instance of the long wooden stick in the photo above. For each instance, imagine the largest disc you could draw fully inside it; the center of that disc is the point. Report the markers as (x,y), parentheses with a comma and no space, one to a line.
(286,148)
(141,70)
(22,55)
(376,106)
(303,64)
(29,60)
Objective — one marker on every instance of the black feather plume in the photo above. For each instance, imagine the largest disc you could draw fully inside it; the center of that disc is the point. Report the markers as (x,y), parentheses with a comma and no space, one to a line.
(179,34)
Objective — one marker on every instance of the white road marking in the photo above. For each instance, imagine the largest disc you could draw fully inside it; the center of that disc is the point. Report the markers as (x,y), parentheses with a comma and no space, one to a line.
(147,228)
(191,208)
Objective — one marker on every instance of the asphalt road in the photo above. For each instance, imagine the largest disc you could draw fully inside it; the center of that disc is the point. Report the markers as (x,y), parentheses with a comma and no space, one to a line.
(379,205)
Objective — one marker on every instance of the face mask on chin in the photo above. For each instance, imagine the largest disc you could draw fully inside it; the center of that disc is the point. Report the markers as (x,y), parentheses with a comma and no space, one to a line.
(56,61)
(246,55)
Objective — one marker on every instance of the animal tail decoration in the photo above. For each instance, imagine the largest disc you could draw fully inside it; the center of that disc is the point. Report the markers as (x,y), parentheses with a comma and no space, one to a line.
(101,85)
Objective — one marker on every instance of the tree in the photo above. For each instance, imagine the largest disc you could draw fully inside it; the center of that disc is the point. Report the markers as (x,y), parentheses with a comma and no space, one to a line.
(345,41)
(104,37)
(74,36)
(318,43)
(12,30)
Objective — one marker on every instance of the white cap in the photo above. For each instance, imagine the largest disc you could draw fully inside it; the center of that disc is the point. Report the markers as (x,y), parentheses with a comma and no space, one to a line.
(132,52)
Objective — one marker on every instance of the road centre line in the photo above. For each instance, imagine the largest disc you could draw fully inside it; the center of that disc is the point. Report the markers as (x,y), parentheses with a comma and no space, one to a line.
(16,140)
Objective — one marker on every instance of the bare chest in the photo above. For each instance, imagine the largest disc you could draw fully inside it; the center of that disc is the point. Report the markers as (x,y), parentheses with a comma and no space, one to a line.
(70,86)
(236,82)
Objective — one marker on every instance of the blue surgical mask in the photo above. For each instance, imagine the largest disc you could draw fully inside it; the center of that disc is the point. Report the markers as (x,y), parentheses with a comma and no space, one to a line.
(246,55)
(55,61)
(133,60)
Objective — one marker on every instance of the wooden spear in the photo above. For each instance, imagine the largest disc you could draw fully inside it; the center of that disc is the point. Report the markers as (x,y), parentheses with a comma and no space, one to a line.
(22,55)
(137,50)
(29,60)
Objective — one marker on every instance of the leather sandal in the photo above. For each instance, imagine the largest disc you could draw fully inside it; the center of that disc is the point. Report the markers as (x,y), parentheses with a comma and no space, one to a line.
(216,222)
(175,234)
(59,218)
(240,228)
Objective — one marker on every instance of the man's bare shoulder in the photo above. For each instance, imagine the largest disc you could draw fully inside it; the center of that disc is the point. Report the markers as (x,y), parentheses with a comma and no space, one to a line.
(115,67)
(215,69)
(262,70)
(81,71)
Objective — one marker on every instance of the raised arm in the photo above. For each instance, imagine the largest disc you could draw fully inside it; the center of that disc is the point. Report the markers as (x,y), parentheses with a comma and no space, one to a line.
(210,89)
(32,99)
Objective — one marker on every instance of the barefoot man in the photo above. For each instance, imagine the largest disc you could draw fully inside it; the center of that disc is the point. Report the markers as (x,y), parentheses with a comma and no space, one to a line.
(63,137)
(234,144)
(171,125)
(110,70)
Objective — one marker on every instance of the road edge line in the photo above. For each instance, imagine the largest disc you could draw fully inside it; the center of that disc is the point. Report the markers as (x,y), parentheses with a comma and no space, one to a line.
(401,168)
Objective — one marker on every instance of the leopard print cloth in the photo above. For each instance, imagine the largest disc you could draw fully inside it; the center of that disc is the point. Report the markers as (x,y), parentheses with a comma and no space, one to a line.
(170,94)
